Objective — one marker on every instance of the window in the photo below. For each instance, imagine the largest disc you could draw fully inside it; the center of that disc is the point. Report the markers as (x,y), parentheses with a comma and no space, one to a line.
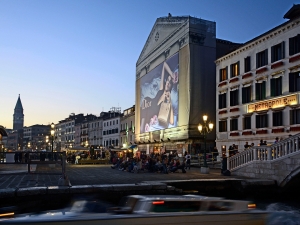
(276,86)
(277,118)
(262,121)
(234,124)
(247,122)
(113,122)
(247,64)
(104,132)
(295,116)
(277,52)
(117,122)
(110,123)
(262,58)
(235,69)
(294,82)
(234,97)
(222,126)
(223,74)
(222,101)
(294,45)
(246,94)
(260,90)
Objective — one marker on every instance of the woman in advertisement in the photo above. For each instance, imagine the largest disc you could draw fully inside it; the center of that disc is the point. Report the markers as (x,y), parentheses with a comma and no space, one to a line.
(158,112)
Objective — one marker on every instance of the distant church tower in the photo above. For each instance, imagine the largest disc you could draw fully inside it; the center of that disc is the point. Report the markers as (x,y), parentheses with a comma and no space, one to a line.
(18,116)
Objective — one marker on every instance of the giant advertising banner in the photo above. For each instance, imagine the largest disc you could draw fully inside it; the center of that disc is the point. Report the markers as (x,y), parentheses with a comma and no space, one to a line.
(159,96)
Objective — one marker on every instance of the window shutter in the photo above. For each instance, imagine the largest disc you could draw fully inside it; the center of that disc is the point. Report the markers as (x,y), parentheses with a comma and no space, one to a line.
(226,72)
(220,75)
(257,121)
(220,101)
(257,62)
(291,82)
(266,57)
(291,45)
(272,54)
(282,50)
(257,90)
(279,85)
(263,89)
(243,96)
(273,87)
(238,68)
(298,44)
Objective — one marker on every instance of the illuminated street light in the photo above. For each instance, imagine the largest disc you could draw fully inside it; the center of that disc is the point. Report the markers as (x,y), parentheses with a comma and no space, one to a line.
(52,135)
(204,130)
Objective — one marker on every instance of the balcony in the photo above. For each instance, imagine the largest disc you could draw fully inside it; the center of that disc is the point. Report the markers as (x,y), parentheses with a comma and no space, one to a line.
(278,130)
(261,70)
(247,75)
(262,131)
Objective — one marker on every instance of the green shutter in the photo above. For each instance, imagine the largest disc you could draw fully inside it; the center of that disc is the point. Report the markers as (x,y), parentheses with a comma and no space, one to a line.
(282,50)
(263,90)
(257,89)
(243,96)
(291,82)
(272,54)
(272,87)
(226,72)
(266,57)
(291,46)
(279,85)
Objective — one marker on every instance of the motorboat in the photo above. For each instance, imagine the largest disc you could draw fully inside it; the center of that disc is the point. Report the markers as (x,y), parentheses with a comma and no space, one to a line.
(157,209)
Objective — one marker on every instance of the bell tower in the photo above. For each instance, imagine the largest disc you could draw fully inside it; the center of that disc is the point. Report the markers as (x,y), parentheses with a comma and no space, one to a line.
(18,116)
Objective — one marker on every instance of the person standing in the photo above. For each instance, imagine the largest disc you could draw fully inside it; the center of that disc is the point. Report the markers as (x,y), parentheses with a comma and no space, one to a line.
(188,160)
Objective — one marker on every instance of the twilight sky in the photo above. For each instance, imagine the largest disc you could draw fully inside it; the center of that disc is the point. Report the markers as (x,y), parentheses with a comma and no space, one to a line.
(79,56)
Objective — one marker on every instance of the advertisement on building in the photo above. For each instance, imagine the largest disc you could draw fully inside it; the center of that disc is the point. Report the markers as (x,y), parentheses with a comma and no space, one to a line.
(159,96)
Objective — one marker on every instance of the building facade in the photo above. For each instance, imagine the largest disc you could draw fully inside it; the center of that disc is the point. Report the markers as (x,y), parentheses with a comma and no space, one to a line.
(36,137)
(175,84)
(111,128)
(258,87)
(127,128)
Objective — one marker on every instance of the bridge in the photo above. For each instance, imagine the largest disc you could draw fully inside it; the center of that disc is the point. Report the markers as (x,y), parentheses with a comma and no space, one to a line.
(279,162)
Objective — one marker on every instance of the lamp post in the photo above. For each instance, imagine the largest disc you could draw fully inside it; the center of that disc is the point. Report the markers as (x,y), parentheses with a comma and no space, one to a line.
(204,130)
(52,135)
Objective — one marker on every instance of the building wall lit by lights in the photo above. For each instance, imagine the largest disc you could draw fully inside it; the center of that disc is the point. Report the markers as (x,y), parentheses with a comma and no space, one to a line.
(175,85)
(258,87)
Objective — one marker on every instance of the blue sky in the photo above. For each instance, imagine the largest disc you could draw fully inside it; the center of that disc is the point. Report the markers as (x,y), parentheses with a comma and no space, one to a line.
(79,56)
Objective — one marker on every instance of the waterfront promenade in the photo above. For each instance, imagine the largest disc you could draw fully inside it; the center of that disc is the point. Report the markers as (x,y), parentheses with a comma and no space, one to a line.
(15,182)
(16,176)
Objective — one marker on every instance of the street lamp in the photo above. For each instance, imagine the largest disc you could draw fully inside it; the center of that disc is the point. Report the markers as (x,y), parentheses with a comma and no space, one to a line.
(52,135)
(204,130)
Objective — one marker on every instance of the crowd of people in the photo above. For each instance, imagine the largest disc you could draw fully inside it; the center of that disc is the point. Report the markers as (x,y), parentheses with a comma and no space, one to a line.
(155,163)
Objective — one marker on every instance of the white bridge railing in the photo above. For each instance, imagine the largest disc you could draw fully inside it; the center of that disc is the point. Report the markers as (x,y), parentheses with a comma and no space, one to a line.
(265,153)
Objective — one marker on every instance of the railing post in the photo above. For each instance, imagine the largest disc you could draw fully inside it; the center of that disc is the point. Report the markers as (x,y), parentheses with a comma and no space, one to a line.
(254,153)
(269,153)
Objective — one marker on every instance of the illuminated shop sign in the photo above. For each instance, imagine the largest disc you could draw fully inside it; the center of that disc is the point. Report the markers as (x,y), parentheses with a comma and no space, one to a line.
(273,103)
(159,96)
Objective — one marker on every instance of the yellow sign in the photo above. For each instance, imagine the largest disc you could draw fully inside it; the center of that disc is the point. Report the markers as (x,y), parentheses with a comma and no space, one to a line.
(273,103)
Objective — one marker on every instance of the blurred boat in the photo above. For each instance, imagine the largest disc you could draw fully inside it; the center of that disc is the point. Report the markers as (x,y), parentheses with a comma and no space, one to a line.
(139,209)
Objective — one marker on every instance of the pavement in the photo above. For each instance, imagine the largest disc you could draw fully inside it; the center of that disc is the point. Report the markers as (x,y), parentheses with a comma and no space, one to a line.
(16,176)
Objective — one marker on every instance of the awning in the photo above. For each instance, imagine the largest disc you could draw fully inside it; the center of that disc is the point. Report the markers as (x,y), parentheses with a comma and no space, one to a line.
(132,146)
(78,148)
(117,150)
